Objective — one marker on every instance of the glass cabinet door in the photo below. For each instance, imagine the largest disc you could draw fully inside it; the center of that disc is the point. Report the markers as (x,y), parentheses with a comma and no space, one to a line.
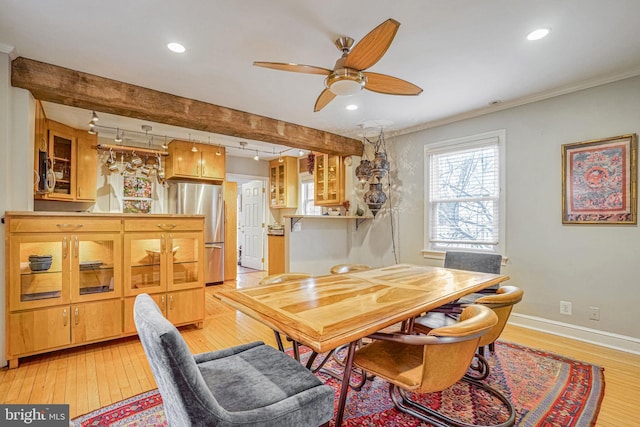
(62,152)
(39,271)
(320,178)
(95,266)
(185,269)
(144,263)
(273,196)
(281,185)
(331,194)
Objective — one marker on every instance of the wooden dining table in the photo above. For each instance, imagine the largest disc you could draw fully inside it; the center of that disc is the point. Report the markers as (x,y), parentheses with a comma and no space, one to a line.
(326,312)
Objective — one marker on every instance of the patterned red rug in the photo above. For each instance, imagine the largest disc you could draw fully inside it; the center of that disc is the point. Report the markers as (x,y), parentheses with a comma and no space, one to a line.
(545,389)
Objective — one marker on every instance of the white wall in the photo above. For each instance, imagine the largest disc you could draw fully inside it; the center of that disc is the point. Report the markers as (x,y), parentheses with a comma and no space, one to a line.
(17,109)
(585,264)
(316,244)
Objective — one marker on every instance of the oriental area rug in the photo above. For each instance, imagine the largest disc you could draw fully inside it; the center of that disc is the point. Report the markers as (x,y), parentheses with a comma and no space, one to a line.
(545,389)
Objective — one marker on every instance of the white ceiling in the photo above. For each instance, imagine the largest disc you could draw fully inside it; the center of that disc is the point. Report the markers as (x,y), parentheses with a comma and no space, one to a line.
(463,53)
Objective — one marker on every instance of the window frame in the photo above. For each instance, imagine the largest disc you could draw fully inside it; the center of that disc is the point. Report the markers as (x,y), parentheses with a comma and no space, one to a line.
(464,143)
(306,178)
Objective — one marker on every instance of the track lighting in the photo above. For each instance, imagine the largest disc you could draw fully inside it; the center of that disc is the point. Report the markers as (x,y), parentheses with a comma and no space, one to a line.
(94,117)
(92,129)
(280,159)
(256,157)
(164,144)
(194,149)
(301,153)
(118,138)
(218,152)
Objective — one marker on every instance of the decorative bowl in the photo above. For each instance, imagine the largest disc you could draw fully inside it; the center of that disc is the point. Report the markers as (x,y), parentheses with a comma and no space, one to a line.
(40,262)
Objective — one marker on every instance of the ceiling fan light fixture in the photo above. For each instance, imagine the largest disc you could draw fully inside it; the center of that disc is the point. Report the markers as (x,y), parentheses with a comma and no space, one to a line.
(345,82)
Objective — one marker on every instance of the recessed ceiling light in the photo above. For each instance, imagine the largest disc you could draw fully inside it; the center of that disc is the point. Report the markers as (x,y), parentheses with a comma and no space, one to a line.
(176,47)
(352,107)
(538,34)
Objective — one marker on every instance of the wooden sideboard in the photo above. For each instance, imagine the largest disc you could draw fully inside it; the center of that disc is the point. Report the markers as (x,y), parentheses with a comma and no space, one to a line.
(71,279)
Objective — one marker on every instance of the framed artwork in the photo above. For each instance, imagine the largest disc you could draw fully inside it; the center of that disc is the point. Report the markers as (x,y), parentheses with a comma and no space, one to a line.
(599,181)
(137,192)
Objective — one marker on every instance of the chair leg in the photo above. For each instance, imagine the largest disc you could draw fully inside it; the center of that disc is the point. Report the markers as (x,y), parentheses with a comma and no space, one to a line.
(279,341)
(404,404)
(480,365)
(492,346)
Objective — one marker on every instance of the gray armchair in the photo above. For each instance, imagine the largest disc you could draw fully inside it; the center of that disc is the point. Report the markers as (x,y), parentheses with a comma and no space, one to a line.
(248,385)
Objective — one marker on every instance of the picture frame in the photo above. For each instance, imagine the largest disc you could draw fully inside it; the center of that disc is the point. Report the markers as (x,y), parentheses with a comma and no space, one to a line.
(137,194)
(599,181)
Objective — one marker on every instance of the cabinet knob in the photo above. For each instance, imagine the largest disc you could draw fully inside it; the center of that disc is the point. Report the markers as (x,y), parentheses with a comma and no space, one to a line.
(77,314)
(171,302)
(76,246)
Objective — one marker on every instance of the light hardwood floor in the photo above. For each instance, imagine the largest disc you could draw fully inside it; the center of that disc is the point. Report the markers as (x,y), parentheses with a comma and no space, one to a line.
(93,376)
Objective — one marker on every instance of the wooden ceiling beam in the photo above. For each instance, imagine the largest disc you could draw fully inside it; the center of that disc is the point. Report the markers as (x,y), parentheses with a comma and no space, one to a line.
(69,87)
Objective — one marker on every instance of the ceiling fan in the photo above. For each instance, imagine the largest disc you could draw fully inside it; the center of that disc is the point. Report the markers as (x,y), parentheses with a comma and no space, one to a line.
(348,75)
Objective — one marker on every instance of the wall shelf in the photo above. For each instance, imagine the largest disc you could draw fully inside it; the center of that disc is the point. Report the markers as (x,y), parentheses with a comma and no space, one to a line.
(359,219)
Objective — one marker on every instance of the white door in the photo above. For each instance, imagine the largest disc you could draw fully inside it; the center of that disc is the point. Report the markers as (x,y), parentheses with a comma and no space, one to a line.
(253,224)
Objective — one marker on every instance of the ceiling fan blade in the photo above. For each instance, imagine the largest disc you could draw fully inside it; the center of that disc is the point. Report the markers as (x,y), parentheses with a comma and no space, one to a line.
(382,83)
(372,47)
(325,97)
(296,68)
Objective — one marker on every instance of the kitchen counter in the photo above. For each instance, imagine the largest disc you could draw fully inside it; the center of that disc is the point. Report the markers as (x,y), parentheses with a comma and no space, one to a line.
(97,214)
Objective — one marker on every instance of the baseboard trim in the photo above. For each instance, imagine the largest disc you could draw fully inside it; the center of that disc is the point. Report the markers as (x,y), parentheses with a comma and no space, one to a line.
(579,333)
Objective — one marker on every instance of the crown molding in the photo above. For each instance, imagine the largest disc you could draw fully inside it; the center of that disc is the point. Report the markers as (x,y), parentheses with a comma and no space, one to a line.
(575,87)
(9,50)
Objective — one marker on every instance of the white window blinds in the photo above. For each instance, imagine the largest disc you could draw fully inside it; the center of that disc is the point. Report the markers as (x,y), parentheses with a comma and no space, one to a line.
(464,196)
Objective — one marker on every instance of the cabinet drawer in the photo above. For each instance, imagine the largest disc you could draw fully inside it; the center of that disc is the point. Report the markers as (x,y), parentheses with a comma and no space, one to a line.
(63,224)
(164,224)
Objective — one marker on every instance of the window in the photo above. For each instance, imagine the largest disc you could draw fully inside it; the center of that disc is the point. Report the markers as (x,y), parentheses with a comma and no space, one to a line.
(464,194)
(306,196)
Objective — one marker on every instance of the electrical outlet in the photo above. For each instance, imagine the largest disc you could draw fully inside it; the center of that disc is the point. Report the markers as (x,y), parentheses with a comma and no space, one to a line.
(565,308)
(594,313)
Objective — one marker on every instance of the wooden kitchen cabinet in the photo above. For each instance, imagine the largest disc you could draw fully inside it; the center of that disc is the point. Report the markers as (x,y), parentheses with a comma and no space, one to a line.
(165,259)
(86,166)
(97,264)
(328,180)
(276,255)
(205,164)
(34,331)
(72,156)
(283,182)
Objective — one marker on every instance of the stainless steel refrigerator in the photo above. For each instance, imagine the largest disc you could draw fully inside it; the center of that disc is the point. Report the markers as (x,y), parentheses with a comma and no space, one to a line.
(203,199)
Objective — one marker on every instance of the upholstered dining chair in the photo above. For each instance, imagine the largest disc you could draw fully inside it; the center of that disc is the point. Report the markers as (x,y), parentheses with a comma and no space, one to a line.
(472,261)
(249,385)
(501,303)
(279,278)
(347,268)
(429,363)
